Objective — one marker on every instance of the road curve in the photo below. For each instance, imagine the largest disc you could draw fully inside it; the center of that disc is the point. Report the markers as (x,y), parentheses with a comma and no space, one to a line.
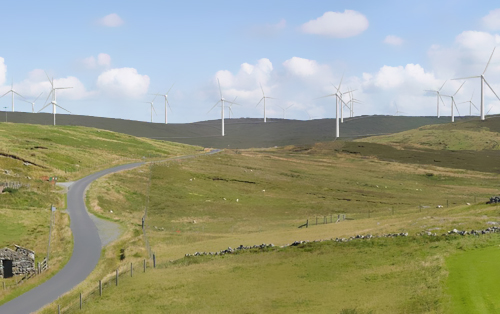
(86,251)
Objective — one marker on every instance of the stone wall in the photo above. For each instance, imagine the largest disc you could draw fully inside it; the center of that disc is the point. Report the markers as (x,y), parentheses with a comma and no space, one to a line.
(23,260)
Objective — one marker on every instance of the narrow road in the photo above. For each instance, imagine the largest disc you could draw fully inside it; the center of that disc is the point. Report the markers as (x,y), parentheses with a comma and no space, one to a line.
(86,252)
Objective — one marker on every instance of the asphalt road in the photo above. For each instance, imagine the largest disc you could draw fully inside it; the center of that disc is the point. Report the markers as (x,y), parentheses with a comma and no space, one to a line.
(86,252)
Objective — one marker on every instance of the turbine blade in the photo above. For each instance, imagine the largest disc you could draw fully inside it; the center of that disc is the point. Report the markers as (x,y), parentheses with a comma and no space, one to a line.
(220,90)
(442,86)
(457,110)
(472,95)
(25,101)
(34,101)
(18,94)
(153,99)
(442,100)
(340,84)
(262,90)
(170,88)
(487,64)
(491,107)
(63,108)
(430,90)
(154,110)
(465,78)
(459,88)
(474,106)
(44,107)
(289,107)
(271,98)
(260,101)
(5,94)
(48,96)
(325,96)
(491,89)
(168,104)
(214,106)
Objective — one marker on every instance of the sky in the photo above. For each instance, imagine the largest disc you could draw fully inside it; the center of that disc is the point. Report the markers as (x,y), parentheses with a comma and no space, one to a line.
(116,54)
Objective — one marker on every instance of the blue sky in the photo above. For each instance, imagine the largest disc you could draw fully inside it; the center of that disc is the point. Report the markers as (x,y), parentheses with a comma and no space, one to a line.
(116,53)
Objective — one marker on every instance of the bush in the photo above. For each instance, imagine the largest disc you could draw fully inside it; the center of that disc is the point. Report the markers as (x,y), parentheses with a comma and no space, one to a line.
(10,190)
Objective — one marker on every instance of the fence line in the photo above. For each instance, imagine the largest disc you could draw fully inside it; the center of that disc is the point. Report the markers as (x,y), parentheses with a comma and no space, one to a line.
(110,281)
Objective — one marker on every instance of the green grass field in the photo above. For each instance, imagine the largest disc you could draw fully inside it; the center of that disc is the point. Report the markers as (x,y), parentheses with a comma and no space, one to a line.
(193,207)
(30,152)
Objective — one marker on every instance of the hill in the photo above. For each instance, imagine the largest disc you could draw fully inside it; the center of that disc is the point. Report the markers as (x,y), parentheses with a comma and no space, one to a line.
(240,133)
(472,135)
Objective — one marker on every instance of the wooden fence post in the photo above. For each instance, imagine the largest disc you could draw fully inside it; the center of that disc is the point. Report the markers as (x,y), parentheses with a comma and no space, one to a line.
(307,223)
(117,277)
(100,288)
(144,265)
(131,269)
(154,260)
(80,300)
(58,309)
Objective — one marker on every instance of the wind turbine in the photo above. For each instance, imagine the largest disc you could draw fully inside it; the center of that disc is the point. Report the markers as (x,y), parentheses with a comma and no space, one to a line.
(264,98)
(152,108)
(349,92)
(54,99)
(353,101)
(221,101)
(483,80)
(397,111)
(437,93)
(33,103)
(284,110)
(453,103)
(13,92)
(470,104)
(166,103)
(337,98)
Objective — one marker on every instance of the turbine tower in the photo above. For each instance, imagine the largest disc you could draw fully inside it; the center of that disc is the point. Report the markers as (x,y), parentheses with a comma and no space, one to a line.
(152,107)
(264,98)
(54,99)
(33,103)
(483,80)
(471,104)
(338,98)
(13,92)
(437,94)
(453,103)
(166,103)
(221,101)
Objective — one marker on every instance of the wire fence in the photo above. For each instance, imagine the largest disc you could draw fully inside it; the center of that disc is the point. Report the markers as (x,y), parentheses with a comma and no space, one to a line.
(107,285)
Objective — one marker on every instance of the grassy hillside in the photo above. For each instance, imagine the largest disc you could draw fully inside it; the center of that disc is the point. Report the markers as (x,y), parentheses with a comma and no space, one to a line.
(261,196)
(28,153)
(473,135)
(241,133)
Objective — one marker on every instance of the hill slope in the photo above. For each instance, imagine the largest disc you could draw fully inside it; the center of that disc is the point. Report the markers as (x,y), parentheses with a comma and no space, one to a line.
(465,135)
(240,133)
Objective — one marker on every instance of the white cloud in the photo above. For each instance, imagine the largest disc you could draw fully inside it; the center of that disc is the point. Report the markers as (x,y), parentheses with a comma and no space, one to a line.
(302,67)
(111,20)
(393,40)
(103,59)
(492,20)
(336,24)
(123,82)
(89,62)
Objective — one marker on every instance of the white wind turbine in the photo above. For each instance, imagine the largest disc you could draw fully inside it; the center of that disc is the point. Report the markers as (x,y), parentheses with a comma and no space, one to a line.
(33,103)
(338,98)
(397,111)
(13,92)
(284,110)
(470,104)
(349,92)
(353,101)
(437,93)
(166,103)
(221,101)
(264,98)
(54,98)
(453,103)
(152,108)
(483,80)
